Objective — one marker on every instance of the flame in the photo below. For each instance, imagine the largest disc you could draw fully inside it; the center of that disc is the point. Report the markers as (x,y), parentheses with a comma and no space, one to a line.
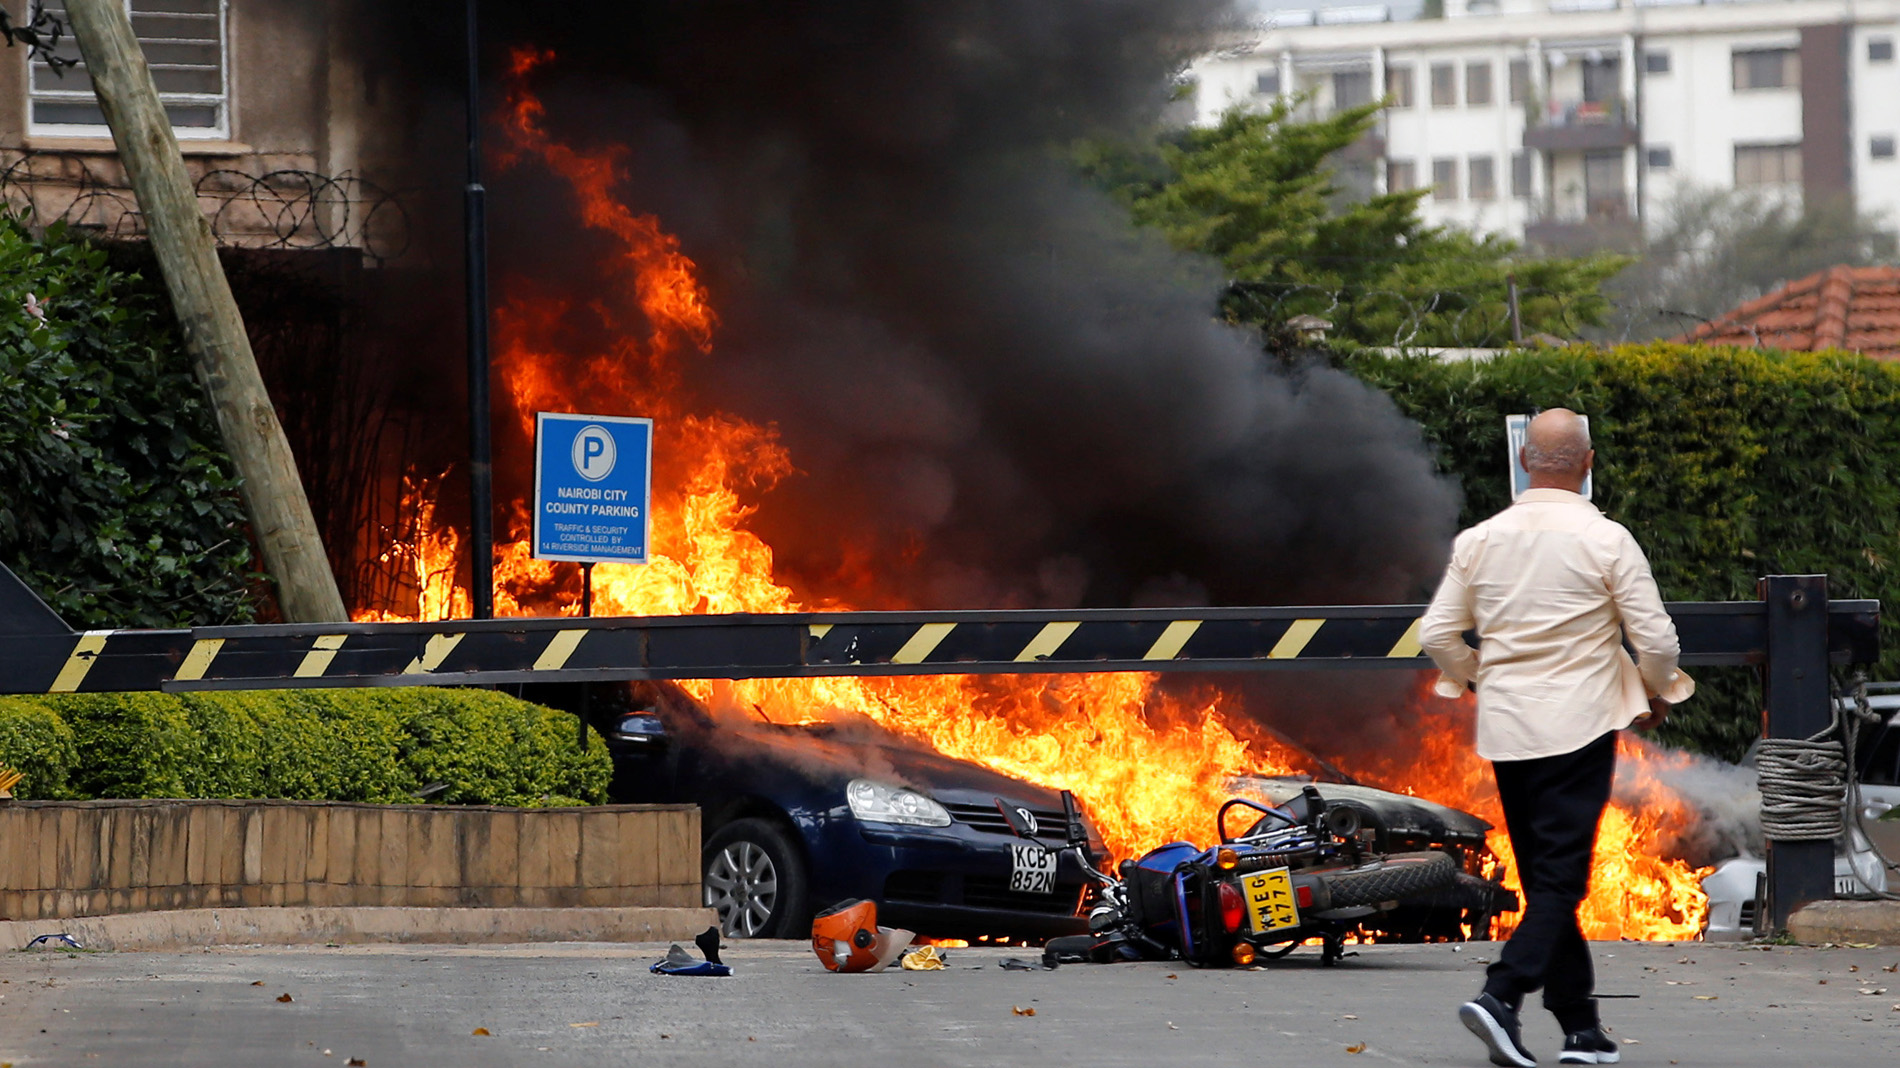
(1635,892)
(1150,765)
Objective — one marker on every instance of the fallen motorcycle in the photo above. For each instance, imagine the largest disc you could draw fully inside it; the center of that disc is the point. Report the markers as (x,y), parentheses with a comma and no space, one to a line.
(1298,872)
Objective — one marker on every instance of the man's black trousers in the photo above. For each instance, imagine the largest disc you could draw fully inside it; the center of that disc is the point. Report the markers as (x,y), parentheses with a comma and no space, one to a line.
(1551,808)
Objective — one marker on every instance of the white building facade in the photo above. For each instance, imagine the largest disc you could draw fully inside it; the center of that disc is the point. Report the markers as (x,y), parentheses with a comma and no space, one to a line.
(1571,122)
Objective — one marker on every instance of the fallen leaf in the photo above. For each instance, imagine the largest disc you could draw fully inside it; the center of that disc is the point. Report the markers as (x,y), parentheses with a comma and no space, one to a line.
(260,982)
(479,1031)
(1349,1016)
(593,1023)
(1705,997)
(1632,1042)
(1824,982)
(1891,968)
(285,998)
(1020,1011)
(1356,1047)
(355,1062)
(1172,975)
(327,1053)
(1171,1026)
(662,1036)
(1873,990)
(1861,945)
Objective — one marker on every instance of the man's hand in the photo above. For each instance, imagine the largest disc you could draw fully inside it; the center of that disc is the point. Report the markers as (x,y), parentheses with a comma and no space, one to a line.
(1658,711)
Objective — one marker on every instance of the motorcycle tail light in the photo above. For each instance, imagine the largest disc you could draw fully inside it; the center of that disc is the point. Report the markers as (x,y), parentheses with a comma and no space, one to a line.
(1303,895)
(1243,954)
(1232,907)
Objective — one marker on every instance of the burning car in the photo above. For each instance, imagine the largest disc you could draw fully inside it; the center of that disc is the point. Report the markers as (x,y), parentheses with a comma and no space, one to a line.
(797,817)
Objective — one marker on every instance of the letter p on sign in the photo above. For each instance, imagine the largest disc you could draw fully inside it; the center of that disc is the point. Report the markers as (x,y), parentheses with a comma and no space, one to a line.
(593,453)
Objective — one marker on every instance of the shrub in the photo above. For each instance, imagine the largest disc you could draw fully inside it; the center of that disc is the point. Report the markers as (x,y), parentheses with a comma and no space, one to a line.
(37,743)
(1727,464)
(375,745)
(120,507)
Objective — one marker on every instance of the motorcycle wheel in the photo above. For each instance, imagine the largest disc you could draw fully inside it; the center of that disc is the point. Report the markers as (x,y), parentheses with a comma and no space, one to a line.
(1398,876)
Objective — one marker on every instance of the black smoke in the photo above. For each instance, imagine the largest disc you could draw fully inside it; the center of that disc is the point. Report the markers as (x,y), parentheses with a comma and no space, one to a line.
(996,391)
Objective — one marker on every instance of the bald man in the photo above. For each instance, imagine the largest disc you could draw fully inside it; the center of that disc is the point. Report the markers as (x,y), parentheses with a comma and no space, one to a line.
(1552,588)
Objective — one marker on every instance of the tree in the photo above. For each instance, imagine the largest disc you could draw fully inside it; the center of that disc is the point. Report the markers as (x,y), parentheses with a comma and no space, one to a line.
(1719,247)
(1259,192)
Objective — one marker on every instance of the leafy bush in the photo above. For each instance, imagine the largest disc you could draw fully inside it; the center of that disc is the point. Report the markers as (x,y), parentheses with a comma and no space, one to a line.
(120,508)
(1726,464)
(377,745)
(37,743)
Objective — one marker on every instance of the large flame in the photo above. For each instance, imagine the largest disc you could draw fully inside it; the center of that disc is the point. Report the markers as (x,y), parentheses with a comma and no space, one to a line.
(1150,765)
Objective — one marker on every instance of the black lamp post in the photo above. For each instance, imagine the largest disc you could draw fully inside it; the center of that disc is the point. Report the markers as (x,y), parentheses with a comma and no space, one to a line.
(481,489)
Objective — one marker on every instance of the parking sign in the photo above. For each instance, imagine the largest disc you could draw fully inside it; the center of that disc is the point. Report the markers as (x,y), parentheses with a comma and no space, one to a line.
(592,487)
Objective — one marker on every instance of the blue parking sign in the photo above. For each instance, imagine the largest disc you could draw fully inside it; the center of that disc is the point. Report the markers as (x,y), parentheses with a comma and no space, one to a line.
(592,487)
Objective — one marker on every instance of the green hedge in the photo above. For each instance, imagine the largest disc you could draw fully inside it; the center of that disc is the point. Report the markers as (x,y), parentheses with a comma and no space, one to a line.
(1727,464)
(118,504)
(378,745)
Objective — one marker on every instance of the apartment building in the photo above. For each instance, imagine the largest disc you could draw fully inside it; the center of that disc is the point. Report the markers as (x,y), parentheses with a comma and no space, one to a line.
(1570,123)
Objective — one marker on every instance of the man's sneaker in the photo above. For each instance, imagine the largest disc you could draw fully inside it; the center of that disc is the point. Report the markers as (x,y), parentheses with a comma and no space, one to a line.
(1589,1047)
(1495,1024)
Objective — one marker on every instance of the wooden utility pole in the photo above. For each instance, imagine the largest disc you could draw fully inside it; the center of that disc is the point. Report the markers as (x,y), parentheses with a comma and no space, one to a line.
(220,350)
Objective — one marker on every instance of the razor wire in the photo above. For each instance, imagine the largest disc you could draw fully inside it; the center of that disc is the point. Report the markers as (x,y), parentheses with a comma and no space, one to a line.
(281,209)
(1458,318)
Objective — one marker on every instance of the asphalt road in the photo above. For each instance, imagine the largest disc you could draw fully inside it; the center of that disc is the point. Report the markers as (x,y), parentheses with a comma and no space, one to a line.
(597,1005)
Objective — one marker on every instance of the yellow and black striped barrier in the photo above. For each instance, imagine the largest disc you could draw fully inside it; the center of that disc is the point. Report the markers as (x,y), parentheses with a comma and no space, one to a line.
(39,654)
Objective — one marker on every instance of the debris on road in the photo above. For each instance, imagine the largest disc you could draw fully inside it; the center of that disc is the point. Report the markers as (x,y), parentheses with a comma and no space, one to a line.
(680,962)
(49,939)
(284,997)
(924,959)
(1020,964)
(1020,1011)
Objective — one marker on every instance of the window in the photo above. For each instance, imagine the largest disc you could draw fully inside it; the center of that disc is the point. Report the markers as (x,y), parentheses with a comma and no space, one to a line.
(184,42)
(1481,178)
(1478,83)
(1603,183)
(1521,174)
(1602,80)
(1880,50)
(1768,68)
(1767,164)
(1267,82)
(1661,157)
(1400,175)
(1352,88)
(1445,179)
(1444,85)
(1398,86)
(1656,61)
(1520,80)
(1880,146)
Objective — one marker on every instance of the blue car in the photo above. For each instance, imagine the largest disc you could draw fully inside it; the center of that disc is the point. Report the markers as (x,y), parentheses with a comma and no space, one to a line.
(798,818)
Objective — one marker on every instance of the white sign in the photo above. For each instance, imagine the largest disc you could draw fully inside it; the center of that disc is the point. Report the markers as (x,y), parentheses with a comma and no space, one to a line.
(1515,427)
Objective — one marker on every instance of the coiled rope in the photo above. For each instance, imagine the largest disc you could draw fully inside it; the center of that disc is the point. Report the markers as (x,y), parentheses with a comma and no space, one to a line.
(1808,785)
(1803,787)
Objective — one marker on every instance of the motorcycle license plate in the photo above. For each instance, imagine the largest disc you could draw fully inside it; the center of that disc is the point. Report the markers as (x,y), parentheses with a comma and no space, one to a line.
(1270,902)
(1032,869)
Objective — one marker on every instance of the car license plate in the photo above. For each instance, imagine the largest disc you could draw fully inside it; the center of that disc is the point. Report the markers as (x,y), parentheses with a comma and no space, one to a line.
(1032,869)
(1270,902)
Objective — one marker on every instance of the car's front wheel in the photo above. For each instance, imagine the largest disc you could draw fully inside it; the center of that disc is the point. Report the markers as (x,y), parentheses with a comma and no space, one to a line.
(754,877)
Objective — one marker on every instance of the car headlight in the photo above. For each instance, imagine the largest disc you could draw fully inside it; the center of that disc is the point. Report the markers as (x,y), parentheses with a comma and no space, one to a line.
(878,802)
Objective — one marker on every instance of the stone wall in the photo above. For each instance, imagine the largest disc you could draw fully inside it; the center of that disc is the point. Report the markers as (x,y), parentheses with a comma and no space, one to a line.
(93,858)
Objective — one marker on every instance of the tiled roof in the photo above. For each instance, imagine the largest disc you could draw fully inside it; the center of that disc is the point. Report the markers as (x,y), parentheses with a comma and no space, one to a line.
(1851,308)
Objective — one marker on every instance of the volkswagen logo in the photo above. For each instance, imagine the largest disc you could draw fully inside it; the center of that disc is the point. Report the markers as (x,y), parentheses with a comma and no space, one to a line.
(1029,821)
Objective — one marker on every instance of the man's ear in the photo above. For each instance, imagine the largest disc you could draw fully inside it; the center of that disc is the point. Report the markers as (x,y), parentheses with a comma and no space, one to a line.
(1523,457)
(1589,460)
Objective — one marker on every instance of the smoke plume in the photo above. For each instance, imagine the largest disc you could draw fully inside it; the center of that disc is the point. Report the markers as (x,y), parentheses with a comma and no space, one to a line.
(996,392)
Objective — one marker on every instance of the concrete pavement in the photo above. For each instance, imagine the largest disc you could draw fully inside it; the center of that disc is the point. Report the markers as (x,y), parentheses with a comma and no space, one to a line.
(596,1004)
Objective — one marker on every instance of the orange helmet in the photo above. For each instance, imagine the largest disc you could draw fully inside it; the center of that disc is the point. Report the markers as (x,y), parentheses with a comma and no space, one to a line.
(846,938)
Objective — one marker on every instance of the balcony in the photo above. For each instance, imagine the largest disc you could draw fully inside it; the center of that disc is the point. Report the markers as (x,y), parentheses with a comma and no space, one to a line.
(1581,126)
(1605,223)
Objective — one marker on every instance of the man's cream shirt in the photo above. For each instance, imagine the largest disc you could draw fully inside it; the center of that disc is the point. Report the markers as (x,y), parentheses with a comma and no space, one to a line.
(1551,586)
